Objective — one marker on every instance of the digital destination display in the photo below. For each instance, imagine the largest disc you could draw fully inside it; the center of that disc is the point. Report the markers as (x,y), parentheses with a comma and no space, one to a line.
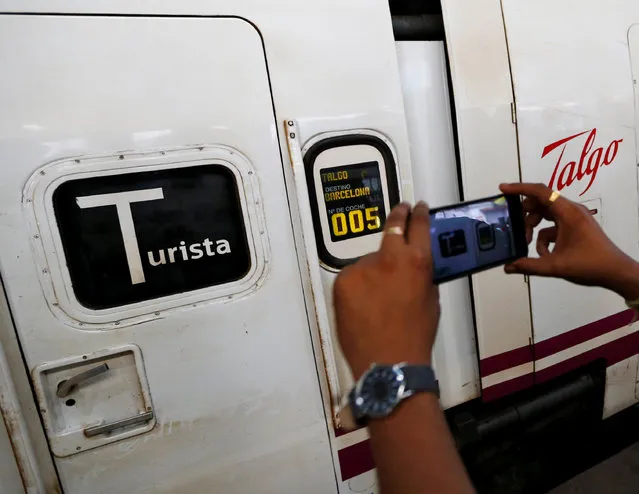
(354,200)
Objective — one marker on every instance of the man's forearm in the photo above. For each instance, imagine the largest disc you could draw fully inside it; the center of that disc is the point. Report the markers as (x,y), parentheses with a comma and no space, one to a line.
(414,450)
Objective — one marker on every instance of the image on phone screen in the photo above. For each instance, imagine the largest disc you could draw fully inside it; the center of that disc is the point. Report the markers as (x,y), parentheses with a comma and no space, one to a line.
(473,236)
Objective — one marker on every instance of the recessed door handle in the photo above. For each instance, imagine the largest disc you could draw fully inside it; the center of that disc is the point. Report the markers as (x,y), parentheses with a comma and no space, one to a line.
(141,418)
(68,385)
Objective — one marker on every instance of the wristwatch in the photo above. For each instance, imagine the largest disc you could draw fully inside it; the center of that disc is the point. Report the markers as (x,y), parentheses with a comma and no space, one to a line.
(381,389)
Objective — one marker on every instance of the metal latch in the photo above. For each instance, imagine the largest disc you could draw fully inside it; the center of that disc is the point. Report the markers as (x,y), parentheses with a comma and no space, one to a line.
(94,399)
(68,385)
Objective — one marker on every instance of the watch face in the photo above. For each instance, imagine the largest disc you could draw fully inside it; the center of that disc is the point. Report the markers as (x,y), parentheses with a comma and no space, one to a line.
(380,390)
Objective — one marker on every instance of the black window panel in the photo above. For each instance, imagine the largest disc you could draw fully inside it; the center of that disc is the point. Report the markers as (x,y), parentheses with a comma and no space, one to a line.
(363,186)
(485,236)
(452,243)
(200,203)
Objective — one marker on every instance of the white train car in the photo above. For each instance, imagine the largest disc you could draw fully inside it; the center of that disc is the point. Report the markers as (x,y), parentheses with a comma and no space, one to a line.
(180,182)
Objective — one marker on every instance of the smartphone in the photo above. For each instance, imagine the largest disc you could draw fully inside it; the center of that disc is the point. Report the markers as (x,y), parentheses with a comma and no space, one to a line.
(473,236)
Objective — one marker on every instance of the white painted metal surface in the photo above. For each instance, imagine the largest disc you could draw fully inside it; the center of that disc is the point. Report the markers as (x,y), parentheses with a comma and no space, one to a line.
(424,78)
(264,426)
(580,98)
(488,148)
(221,404)
(633,45)
(10,480)
(577,132)
(330,351)
(26,442)
(621,381)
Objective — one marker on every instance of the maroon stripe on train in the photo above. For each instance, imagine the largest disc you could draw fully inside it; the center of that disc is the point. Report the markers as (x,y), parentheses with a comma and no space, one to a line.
(584,333)
(522,355)
(613,352)
(506,360)
(356,460)
(507,387)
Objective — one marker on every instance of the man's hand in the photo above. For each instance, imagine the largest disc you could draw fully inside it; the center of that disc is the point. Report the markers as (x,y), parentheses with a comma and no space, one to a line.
(386,305)
(582,252)
(387,310)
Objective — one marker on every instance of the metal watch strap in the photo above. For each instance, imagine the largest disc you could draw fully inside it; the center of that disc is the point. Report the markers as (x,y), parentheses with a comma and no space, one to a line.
(420,378)
(358,416)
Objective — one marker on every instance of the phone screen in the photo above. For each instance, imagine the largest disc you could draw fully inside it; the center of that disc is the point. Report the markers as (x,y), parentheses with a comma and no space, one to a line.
(473,236)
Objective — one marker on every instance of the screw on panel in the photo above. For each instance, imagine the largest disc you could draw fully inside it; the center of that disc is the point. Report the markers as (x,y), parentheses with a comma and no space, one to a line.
(45,270)
(28,200)
(77,161)
(292,135)
(121,156)
(250,172)
(84,357)
(117,323)
(36,236)
(201,148)
(41,172)
(157,313)
(78,448)
(163,153)
(290,123)
(55,304)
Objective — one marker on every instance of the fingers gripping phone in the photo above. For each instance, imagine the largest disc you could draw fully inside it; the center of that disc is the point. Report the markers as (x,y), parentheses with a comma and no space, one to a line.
(474,236)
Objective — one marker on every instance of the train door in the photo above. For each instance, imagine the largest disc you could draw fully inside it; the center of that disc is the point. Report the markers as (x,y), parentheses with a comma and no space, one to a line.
(575,113)
(148,254)
(633,43)
(487,135)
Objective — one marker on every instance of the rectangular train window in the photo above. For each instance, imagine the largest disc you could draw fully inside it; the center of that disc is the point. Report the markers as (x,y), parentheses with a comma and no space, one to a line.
(124,238)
